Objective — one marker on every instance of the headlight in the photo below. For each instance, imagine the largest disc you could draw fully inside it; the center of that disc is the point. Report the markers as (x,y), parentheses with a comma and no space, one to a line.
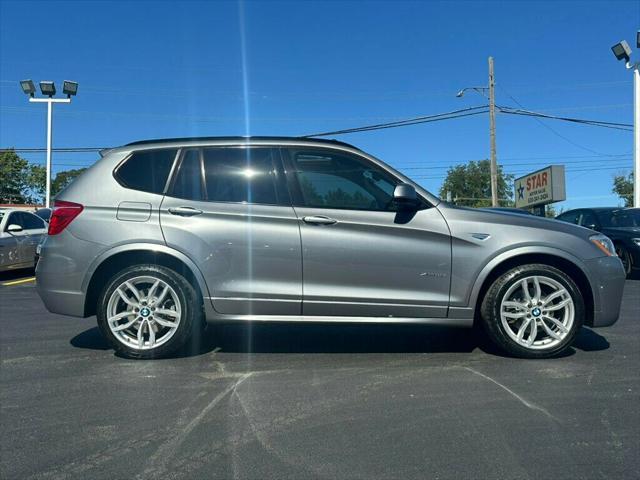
(636,241)
(604,243)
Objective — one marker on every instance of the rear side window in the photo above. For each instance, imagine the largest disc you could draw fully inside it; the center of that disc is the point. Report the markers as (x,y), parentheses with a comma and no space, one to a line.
(146,170)
(30,221)
(245,175)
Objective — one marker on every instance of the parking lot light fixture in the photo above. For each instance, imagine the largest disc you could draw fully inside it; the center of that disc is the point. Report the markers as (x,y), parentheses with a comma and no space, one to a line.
(28,87)
(69,88)
(622,51)
(48,88)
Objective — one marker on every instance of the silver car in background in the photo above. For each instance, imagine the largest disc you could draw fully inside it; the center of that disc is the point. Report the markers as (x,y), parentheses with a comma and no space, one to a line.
(20,234)
(159,236)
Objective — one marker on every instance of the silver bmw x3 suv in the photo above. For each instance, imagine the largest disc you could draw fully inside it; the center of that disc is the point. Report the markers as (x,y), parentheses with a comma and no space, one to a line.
(159,236)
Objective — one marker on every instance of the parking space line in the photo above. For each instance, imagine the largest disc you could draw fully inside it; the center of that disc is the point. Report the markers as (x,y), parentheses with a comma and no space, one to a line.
(17,282)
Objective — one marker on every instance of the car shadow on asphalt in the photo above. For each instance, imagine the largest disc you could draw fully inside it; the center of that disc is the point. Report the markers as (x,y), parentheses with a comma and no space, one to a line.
(12,275)
(330,338)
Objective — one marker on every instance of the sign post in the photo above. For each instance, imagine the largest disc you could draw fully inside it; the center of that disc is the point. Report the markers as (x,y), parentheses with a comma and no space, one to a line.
(541,187)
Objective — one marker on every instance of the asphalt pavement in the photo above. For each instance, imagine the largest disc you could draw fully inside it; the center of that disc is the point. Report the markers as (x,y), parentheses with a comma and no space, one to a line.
(313,401)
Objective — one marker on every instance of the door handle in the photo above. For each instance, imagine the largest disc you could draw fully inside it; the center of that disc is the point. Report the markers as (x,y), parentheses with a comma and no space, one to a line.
(319,220)
(184,211)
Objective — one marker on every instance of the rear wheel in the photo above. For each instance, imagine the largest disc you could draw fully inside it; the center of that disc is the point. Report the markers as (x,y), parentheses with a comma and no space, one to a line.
(533,311)
(148,311)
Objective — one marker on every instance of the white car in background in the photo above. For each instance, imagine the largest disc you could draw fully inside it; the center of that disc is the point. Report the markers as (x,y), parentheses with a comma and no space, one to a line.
(20,234)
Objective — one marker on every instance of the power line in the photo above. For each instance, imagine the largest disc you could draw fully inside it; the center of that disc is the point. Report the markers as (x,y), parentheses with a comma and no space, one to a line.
(596,123)
(465,112)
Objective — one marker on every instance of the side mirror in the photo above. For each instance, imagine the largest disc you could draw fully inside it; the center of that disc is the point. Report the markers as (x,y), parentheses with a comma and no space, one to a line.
(14,228)
(405,194)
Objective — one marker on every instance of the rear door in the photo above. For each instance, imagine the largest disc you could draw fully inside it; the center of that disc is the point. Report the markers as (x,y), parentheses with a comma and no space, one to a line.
(228,209)
(361,256)
(34,229)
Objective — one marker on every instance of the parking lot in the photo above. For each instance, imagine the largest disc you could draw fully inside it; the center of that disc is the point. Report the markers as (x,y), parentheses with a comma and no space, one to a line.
(278,401)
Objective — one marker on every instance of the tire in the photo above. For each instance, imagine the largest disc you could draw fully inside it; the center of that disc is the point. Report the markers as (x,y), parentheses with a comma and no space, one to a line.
(625,257)
(164,319)
(510,326)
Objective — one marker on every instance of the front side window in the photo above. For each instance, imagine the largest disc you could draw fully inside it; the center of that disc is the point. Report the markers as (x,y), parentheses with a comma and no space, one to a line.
(146,170)
(571,217)
(328,180)
(240,175)
(14,219)
(587,219)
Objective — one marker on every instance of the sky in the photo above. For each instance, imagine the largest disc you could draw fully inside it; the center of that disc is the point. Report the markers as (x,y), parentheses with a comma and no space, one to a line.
(179,68)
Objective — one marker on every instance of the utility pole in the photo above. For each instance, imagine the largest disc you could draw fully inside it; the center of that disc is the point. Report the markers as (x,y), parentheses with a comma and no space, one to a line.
(492,128)
(492,135)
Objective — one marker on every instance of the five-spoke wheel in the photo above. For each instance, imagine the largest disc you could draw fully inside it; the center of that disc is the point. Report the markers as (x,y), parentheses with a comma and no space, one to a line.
(148,311)
(533,311)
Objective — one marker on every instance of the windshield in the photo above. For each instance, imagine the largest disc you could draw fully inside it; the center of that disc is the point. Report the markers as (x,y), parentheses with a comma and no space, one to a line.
(620,218)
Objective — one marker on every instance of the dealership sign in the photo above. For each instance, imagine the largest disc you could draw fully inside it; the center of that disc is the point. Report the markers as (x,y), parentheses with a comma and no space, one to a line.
(540,187)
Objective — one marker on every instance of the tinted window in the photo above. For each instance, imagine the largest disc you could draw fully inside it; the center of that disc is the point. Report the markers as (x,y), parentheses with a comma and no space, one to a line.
(188,182)
(571,217)
(30,221)
(588,218)
(14,219)
(626,218)
(328,180)
(146,170)
(240,175)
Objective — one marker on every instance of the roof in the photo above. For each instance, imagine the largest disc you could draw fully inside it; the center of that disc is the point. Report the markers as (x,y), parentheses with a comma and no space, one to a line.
(242,139)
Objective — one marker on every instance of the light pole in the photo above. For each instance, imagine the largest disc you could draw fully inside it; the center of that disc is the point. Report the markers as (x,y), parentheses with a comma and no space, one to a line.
(49,89)
(492,129)
(622,51)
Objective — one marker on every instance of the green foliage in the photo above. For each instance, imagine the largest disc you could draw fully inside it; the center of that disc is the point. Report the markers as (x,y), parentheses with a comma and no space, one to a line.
(20,181)
(623,187)
(63,179)
(24,182)
(470,185)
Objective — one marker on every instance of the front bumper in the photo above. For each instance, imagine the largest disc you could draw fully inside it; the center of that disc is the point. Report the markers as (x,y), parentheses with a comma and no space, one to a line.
(607,283)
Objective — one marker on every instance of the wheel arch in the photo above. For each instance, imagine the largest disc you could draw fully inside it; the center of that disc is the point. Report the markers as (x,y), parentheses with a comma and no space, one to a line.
(112,261)
(561,261)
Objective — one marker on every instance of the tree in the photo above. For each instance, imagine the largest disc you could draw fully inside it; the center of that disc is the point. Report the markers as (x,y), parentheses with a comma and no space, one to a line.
(550,211)
(470,185)
(15,178)
(63,179)
(623,187)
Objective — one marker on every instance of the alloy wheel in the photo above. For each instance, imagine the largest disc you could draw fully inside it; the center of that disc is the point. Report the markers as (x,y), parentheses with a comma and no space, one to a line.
(143,312)
(537,312)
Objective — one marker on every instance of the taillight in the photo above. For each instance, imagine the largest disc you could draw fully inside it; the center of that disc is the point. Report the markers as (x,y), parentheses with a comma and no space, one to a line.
(62,215)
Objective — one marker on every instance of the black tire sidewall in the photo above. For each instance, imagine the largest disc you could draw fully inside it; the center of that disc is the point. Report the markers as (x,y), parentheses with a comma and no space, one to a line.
(493,299)
(186,295)
(624,255)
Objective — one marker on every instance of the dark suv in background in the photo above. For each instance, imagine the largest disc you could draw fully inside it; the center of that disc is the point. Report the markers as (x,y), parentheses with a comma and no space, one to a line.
(622,225)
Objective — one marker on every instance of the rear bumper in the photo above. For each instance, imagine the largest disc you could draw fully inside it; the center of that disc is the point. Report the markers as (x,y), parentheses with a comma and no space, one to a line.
(607,282)
(60,272)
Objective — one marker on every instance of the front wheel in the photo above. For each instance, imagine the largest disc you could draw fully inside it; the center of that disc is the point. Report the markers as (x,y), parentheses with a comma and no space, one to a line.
(533,311)
(148,311)
(625,257)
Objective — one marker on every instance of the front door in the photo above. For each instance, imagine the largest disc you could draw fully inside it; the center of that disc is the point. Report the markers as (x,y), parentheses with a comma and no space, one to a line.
(362,256)
(228,209)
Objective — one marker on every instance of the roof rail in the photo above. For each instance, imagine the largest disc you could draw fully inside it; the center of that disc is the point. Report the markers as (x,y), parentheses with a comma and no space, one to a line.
(239,138)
